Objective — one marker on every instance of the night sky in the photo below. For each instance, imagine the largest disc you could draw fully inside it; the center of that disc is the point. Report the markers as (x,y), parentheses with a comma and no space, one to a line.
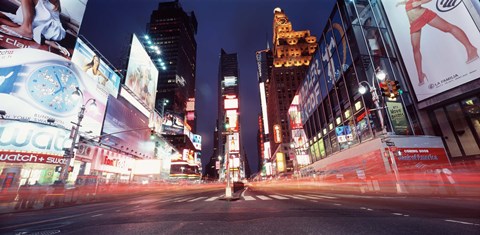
(237,26)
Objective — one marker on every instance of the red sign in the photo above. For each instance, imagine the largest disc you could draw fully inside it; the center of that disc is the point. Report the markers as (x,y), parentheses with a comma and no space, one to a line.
(420,158)
(22,157)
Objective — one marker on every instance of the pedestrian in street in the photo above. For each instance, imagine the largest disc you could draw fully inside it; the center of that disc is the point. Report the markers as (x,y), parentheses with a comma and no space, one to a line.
(34,194)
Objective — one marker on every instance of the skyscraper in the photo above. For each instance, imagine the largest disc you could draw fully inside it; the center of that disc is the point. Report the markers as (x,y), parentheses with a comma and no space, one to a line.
(173,31)
(228,122)
(292,52)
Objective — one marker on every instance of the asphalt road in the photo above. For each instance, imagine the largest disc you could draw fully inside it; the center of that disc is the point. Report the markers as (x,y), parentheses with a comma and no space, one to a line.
(270,210)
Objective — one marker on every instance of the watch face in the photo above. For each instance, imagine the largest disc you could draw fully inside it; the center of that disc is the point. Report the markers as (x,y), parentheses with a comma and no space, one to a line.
(51,87)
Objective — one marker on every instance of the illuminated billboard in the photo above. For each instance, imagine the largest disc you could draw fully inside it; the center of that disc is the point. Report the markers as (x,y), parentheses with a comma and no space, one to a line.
(23,138)
(156,122)
(191,104)
(263,102)
(229,81)
(173,124)
(233,143)
(294,114)
(299,137)
(280,157)
(231,104)
(54,25)
(142,75)
(344,133)
(107,80)
(128,128)
(277,134)
(309,90)
(232,119)
(197,141)
(36,85)
(433,70)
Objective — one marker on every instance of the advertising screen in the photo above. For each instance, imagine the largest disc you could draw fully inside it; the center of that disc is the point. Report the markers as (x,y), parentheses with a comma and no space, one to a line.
(134,136)
(107,80)
(299,137)
(173,124)
(142,75)
(232,119)
(233,143)
(344,133)
(436,61)
(230,81)
(156,121)
(294,116)
(36,85)
(55,27)
(191,104)
(231,103)
(197,142)
(31,142)
(309,91)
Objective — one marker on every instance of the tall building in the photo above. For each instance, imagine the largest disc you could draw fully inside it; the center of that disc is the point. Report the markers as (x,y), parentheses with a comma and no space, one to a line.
(264,71)
(292,52)
(228,122)
(173,31)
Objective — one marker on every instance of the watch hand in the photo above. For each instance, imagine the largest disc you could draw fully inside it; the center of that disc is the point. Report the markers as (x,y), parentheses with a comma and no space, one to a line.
(59,82)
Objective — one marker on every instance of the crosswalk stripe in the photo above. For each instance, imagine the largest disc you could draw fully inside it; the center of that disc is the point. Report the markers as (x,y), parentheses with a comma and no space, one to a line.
(295,197)
(278,197)
(184,199)
(211,199)
(196,199)
(323,196)
(263,197)
(249,198)
(305,196)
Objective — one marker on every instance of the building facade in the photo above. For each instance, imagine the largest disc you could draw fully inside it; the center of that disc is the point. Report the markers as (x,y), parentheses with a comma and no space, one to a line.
(173,31)
(363,40)
(228,122)
(292,52)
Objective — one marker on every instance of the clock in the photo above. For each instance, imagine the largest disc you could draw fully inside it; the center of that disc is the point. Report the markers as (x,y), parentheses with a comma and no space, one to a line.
(51,88)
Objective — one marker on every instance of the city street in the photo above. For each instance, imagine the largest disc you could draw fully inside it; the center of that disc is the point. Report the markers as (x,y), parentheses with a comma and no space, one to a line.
(258,210)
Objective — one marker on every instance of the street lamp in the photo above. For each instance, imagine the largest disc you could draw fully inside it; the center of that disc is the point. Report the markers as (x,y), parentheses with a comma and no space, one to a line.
(375,98)
(74,133)
(163,103)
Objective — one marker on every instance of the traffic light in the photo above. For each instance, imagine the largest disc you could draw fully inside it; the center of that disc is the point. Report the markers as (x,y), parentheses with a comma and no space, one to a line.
(396,91)
(384,89)
(152,134)
(227,123)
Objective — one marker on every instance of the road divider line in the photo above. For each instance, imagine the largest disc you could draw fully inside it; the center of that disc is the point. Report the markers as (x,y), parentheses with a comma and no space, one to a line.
(263,197)
(323,196)
(96,215)
(249,198)
(460,222)
(397,214)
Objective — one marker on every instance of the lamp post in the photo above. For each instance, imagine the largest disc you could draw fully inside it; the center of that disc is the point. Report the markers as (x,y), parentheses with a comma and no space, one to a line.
(74,133)
(163,102)
(375,98)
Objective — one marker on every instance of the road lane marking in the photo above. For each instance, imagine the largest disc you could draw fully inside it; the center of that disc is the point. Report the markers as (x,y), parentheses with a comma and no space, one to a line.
(249,198)
(460,222)
(117,210)
(368,209)
(337,204)
(96,215)
(397,214)
(278,197)
(56,219)
(211,199)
